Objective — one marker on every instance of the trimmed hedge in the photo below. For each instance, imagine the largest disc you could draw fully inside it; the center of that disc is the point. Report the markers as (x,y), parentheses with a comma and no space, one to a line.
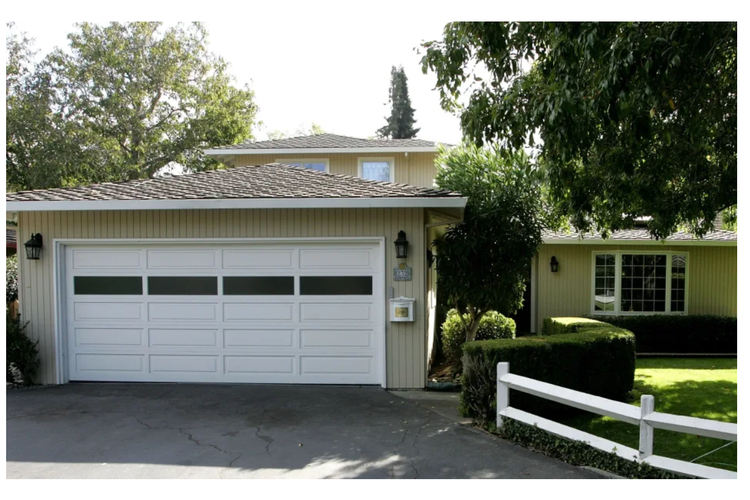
(493,325)
(598,359)
(665,334)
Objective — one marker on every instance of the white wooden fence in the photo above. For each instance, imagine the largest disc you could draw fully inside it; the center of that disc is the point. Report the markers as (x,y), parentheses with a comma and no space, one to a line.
(645,417)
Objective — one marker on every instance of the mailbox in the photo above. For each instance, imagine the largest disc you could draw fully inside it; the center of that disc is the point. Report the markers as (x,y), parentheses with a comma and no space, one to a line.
(402,309)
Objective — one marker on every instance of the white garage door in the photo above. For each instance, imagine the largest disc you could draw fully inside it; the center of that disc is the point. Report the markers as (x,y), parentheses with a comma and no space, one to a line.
(260,313)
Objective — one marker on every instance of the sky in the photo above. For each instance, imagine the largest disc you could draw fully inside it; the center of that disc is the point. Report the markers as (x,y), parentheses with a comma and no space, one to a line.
(329,72)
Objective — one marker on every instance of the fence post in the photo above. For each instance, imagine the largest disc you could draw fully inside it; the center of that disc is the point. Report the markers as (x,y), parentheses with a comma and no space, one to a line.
(646,443)
(502,391)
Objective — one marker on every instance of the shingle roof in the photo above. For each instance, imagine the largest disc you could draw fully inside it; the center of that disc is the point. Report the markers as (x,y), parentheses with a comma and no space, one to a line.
(329,141)
(640,234)
(259,181)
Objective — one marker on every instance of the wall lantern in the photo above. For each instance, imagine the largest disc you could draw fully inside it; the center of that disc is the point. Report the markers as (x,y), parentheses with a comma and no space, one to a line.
(34,247)
(553,264)
(401,245)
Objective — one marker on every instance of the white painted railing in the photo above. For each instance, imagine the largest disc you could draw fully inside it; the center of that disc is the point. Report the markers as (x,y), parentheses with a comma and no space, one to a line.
(645,417)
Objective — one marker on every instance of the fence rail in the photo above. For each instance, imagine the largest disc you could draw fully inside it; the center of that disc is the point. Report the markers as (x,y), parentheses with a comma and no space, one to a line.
(645,417)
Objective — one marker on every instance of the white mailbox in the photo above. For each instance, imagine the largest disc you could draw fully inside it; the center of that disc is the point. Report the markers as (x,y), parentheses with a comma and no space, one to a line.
(402,309)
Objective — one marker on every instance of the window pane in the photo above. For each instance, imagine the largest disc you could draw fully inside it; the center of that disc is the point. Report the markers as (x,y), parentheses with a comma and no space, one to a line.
(645,277)
(108,285)
(182,285)
(320,167)
(604,294)
(335,285)
(376,170)
(259,285)
(679,270)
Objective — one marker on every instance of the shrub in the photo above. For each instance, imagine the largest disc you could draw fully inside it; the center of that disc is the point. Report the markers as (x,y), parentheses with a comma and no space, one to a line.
(22,355)
(493,325)
(11,279)
(598,359)
(664,333)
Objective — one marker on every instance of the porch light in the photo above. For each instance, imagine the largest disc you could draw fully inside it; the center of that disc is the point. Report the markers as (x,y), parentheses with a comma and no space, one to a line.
(401,245)
(553,264)
(34,247)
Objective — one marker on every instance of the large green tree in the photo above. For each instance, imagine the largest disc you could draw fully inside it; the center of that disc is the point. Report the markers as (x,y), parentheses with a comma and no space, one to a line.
(630,119)
(484,260)
(123,102)
(400,124)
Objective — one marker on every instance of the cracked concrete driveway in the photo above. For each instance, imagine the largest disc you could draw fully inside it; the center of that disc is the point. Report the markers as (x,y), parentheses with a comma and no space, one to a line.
(246,431)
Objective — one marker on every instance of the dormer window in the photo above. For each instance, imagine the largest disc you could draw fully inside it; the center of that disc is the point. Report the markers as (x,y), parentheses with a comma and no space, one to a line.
(319,164)
(376,169)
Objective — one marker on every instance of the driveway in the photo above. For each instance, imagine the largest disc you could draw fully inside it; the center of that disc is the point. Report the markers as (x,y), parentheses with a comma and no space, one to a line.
(246,431)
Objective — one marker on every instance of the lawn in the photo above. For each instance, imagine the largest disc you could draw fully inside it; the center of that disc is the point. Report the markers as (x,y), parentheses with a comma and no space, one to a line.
(705,388)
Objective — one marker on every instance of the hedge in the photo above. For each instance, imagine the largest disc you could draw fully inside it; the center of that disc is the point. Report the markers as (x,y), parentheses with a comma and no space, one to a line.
(493,325)
(665,334)
(598,359)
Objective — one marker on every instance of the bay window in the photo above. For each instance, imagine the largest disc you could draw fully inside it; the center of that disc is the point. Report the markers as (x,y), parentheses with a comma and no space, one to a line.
(639,282)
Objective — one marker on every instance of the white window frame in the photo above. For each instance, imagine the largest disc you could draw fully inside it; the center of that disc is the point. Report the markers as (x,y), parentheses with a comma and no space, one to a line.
(390,159)
(306,160)
(618,278)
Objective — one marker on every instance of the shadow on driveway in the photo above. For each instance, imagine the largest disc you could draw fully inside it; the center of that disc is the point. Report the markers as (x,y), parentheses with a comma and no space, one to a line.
(249,431)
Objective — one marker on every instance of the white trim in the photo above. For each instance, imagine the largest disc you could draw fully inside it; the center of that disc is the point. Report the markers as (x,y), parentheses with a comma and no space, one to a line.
(534,273)
(58,271)
(389,159)
(301,161)
(291,151)
(250,203)
(599,241)
(618,277)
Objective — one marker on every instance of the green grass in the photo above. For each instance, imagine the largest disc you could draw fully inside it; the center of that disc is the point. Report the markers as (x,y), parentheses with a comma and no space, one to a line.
(704,388)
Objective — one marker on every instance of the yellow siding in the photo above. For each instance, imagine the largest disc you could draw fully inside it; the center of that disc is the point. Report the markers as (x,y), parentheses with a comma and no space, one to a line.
(405,342)
(712,279)
(417,169)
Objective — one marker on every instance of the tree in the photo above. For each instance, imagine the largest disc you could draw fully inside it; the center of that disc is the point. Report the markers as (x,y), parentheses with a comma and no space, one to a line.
(400,125)
(484,260)
(124,102)
(635,119)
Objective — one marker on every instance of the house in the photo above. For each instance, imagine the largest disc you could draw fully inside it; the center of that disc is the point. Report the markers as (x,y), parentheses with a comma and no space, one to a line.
(281,269)
(264,272)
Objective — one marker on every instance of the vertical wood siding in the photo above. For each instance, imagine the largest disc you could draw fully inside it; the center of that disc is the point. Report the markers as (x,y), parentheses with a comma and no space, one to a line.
(712,279)
(417,169)
(405,342)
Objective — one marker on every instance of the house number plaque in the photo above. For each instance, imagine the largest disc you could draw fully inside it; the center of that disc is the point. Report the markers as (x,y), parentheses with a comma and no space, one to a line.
(402,272)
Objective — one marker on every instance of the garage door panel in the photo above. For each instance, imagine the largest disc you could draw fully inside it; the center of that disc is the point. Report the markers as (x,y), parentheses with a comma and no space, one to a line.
(335,365)
(338,312)
(180,311)
(336,258)
(110,311)
(94,337)
(105,362)
(182,337)
(336,338)
(258,259)
(183,364)
(258,311)
(106,259)
(259,364)
(181,259)
(258,338)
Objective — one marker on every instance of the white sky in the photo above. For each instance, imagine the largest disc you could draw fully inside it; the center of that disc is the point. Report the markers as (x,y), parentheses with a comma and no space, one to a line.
(330,72)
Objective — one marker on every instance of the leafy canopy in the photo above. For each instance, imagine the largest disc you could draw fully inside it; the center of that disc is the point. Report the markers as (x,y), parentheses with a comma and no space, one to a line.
(400,124)
(123,102)
(483,261)
(631,119)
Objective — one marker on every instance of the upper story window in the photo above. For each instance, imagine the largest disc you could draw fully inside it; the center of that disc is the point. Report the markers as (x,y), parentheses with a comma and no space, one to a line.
(319,164)
(376,169)
(639,282)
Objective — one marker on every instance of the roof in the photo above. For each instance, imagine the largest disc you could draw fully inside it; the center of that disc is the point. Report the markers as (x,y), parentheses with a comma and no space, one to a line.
(325,143)
(259,186)
(641,236)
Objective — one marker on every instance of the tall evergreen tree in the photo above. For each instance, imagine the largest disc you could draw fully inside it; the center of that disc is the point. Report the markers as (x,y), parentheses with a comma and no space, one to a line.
(400,125)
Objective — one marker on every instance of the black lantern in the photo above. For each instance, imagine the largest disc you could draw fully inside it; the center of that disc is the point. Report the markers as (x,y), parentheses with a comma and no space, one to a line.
(553,264)
(34,247)
(401,245)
